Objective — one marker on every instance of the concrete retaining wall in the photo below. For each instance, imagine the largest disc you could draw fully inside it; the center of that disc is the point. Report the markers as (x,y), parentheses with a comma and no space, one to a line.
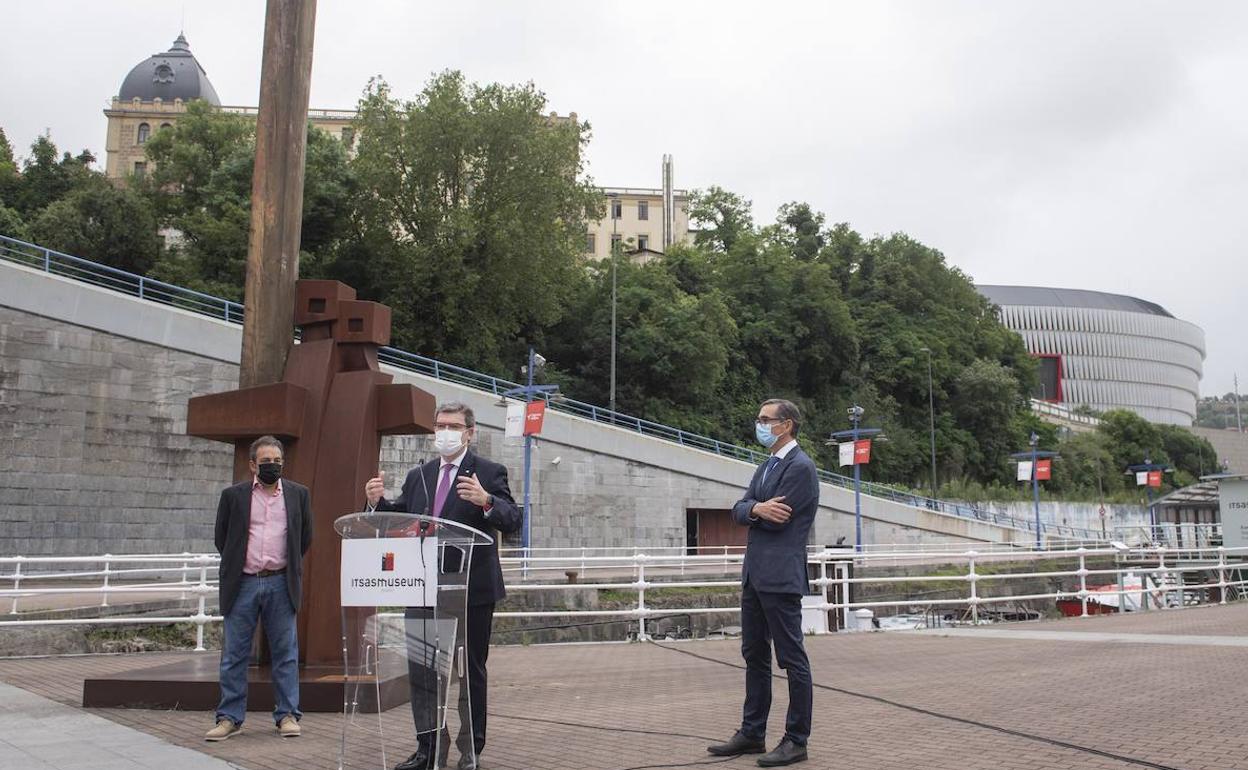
(93,392)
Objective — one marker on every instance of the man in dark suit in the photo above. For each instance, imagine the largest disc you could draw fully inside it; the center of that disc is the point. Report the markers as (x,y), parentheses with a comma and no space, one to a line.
(471,490)
(264,527)
(779,508)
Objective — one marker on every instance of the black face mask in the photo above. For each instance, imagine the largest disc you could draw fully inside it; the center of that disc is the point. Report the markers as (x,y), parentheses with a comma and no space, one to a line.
(269,473)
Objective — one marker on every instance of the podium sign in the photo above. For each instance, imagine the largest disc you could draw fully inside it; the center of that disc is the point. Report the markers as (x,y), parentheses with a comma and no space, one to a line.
(404,626)
(390,572)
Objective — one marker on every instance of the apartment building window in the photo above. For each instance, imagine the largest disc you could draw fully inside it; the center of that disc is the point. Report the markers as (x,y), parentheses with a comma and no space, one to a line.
(348,137)
(616,240)
(144,132)
(617,209)
(140,169)
(643,209)
(591,243)
(643,241)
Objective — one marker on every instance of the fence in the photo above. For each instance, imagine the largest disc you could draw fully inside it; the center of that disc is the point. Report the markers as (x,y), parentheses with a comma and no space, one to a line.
(103,276)
(1168,578)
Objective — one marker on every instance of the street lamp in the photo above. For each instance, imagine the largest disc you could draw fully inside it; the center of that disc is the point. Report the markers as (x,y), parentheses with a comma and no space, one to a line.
(528,391)
(931,415)
(615,247)
(1033,454)
(855,414)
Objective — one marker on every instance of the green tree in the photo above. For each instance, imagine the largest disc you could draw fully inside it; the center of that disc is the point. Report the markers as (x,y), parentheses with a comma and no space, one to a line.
(470,216)
(722,218)
(45,179)
(102,223)
(201,186)
(10,180)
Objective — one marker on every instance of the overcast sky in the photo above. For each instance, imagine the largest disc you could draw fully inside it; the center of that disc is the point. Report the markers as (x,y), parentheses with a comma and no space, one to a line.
(1089,145)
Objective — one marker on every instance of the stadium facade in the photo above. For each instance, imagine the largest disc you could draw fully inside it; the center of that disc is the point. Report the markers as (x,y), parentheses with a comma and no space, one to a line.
(1107,351)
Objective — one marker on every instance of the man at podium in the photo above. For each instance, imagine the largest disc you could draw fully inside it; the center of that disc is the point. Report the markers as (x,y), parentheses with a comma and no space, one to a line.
(460,486)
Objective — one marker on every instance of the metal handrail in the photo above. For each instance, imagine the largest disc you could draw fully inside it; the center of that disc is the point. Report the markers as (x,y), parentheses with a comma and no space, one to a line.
(1161,573)
(103,276)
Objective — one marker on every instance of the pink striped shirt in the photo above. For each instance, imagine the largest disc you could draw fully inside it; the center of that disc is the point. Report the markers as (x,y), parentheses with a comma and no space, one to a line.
(266,534)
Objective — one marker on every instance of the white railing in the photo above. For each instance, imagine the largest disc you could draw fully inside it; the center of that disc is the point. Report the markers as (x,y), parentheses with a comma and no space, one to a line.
(185,575)
(1167,578)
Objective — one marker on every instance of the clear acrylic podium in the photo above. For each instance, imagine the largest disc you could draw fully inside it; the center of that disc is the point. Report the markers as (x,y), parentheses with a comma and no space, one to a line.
(409,644)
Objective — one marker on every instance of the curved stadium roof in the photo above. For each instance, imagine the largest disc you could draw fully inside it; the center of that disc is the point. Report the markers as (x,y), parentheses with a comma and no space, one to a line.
(1040,296)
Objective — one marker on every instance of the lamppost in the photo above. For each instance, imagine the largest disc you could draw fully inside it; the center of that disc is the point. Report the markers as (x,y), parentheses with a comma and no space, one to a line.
(1149,466)
(528,391)
(1035,454)
(615,247)
(931,415)
(855,413)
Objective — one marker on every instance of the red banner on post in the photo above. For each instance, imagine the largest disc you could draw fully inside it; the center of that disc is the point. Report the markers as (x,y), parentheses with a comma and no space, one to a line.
(1044,470)
(534,414)
(1154,479)
(862,451)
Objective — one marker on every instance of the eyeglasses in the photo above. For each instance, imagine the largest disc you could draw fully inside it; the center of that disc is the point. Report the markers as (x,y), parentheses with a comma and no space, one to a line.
(449,426)
(771,420)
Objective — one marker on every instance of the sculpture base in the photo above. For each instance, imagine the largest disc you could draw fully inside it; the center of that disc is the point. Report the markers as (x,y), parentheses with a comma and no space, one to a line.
(192,686)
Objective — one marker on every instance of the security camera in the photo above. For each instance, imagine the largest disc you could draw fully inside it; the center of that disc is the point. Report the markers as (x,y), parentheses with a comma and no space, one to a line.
(556,461)
(539,360)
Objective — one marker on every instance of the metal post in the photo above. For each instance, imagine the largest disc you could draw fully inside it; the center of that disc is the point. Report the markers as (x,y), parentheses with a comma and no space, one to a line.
(973,578)
(931,413)
(202,617)
(528,464)
(1122,584)
(1083,582)
(857,415)
(17,583)
(1221,575)
(614,221)
(641,598)
(104,603)
(1035,488)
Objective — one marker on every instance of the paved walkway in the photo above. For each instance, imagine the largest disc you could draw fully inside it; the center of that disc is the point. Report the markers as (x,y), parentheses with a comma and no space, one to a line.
(41,734)
(1150,690)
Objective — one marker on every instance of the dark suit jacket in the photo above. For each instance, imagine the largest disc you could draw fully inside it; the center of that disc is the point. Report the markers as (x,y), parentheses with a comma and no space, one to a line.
(775,554)
(485,576)
(233,529)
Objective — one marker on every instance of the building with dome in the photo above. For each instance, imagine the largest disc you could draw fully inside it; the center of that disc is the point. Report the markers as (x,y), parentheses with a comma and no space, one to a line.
(156,93)
(1107,351)
(643,222)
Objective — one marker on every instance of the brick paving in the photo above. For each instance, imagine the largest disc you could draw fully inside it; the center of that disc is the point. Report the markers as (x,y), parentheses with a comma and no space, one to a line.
(882,702)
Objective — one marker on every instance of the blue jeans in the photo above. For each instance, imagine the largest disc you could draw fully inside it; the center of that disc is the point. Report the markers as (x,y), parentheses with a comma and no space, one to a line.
(264,599)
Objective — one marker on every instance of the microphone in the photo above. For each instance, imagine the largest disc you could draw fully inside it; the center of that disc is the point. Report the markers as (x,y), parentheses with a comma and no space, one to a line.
(424,525)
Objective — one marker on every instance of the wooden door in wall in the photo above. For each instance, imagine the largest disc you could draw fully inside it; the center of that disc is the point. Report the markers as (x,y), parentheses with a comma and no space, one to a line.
(708,529)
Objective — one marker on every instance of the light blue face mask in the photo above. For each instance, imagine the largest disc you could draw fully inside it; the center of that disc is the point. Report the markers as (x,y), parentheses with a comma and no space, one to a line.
(764,435)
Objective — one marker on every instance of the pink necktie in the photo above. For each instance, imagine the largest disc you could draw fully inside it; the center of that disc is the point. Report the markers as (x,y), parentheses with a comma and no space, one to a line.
(444,488)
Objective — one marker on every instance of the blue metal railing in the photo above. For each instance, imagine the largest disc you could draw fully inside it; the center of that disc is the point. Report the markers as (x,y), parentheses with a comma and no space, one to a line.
(95,274)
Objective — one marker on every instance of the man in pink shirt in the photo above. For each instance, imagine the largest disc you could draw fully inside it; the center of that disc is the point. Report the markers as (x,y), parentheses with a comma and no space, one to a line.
(264,527)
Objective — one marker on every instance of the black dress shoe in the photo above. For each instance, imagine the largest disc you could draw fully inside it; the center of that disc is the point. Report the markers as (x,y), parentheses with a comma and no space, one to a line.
(468,762)
(421,759)
(738,744)
(786,753)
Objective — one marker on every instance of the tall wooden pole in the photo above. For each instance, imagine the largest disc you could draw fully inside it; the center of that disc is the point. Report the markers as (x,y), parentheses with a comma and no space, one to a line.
(277,190)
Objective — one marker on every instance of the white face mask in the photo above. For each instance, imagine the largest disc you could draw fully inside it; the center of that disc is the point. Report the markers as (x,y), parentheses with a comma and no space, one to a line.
(448,442)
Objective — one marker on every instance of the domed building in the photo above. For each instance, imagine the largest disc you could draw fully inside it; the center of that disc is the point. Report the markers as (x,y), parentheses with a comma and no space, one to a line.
(152,96)
(1107,351)
(155,93)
